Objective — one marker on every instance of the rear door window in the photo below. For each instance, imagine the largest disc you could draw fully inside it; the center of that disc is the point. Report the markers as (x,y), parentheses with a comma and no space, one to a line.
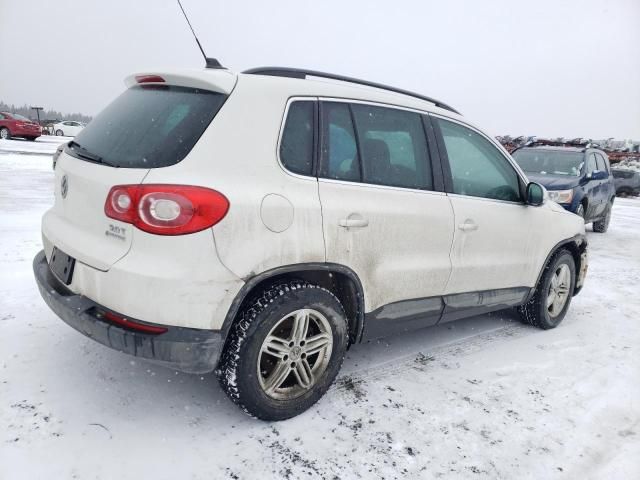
(339,148)
(393,147)
(148,126)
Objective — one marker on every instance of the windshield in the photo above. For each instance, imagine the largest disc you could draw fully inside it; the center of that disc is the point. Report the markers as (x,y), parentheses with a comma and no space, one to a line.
(148,127)
(548,162)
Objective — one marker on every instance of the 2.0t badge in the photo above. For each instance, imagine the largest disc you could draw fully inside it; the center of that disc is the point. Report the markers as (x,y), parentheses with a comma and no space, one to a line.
(64,186)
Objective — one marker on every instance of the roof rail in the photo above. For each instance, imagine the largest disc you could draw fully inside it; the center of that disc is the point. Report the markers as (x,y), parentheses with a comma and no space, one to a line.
(302,74)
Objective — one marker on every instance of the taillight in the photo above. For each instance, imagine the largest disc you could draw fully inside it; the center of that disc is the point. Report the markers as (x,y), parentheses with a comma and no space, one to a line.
(166,209)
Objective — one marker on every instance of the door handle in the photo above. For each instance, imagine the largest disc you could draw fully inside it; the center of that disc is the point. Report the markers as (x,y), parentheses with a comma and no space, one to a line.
(468,226)
(353,221)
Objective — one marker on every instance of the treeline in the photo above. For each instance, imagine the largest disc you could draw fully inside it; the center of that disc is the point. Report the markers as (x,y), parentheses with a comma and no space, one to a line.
(44,114)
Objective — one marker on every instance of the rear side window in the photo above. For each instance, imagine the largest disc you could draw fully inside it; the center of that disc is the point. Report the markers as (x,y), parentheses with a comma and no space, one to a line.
(478,169)
(393,147)
(296,147)
(150,126)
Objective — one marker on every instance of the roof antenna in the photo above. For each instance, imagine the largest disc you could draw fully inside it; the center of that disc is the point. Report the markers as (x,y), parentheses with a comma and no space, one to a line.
(209,62)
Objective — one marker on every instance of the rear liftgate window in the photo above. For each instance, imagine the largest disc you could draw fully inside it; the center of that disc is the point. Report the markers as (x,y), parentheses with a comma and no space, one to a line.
(149,126)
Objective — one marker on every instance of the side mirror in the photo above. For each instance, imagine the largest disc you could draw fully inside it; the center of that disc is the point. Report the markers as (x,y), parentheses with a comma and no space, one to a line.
(598,175)
(535,194)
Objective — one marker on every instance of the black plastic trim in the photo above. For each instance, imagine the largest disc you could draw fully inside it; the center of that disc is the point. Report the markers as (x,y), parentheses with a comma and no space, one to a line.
(580,241)
(187,349)
(437,169)
(442,156)
(302,74)
(408,315)
(251,283)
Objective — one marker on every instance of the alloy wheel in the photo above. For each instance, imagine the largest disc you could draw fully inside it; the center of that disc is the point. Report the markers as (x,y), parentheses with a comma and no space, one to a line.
(295,354)
(558,290)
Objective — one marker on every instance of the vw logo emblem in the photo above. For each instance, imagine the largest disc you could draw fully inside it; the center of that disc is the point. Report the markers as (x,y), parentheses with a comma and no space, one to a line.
(64,186)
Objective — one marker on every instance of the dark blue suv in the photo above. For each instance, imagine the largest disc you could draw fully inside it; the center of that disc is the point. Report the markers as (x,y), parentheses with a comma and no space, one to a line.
(577,178)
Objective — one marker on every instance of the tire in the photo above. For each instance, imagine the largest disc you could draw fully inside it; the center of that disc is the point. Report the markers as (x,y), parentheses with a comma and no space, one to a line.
(537,311)
(602,225)
(580,211)
(249,367)
(5,134)
(59,133)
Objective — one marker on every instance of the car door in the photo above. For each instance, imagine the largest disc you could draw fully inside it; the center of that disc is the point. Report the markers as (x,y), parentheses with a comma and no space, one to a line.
(495,237)
(604,188)
(381,214)
(592,188)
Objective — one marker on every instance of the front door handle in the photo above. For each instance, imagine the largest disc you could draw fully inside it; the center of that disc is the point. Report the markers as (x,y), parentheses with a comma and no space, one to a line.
(353,221)
(468,226)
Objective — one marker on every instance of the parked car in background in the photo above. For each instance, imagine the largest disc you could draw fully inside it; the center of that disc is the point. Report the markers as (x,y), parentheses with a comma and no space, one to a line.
(627,182)
(68,128)
(577,178)
(261,246)
(16,125)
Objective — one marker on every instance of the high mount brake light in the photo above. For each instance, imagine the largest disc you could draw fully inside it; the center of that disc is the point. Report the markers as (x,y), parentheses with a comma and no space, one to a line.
(149,79)
(166,209)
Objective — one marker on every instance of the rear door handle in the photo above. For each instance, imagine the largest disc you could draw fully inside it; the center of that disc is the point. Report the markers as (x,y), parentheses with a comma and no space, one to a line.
(353,221)
(468,226)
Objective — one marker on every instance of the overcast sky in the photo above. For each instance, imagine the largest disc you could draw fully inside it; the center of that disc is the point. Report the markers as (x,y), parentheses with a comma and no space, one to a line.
(543,67)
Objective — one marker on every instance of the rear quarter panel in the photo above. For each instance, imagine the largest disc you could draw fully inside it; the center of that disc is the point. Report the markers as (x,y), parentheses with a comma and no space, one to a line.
(237,155)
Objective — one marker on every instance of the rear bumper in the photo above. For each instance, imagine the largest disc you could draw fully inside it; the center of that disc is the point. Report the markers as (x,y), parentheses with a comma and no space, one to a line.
(187,349)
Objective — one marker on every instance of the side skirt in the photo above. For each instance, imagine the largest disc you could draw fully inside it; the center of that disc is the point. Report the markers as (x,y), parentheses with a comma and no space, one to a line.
(409,315)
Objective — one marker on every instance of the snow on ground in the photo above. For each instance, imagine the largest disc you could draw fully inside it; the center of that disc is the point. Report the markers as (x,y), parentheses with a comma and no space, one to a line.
(44,145)
(485,397)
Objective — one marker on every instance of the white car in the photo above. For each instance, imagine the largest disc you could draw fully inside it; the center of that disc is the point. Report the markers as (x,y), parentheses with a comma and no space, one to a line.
(259,223)
(67,128)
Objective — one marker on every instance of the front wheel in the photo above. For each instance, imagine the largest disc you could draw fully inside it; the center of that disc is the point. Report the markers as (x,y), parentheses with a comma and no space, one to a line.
(602,225)
(285,351)
(552,297)
(59,133)
(4,133)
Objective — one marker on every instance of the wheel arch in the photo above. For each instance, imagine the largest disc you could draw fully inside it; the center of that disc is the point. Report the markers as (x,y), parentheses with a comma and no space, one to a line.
(576,245)
(343,282)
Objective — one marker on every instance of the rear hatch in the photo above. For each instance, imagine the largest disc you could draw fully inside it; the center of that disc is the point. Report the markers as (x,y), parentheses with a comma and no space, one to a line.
(153,124)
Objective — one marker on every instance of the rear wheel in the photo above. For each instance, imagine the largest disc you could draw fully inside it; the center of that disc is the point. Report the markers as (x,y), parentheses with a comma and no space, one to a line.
(552,297)
(284,351)
(602,225)
(4,133)
(59,133)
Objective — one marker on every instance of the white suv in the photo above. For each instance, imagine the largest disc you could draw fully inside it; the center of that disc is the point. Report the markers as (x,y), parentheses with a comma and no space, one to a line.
(257,224)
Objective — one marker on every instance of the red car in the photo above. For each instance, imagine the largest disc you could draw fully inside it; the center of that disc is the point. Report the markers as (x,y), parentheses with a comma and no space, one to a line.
(14,125)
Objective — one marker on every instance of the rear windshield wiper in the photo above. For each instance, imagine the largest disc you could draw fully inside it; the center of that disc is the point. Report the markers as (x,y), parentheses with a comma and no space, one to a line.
(87,155)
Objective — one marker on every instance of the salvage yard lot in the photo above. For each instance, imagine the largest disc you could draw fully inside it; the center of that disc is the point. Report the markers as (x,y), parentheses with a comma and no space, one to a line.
(483,397)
